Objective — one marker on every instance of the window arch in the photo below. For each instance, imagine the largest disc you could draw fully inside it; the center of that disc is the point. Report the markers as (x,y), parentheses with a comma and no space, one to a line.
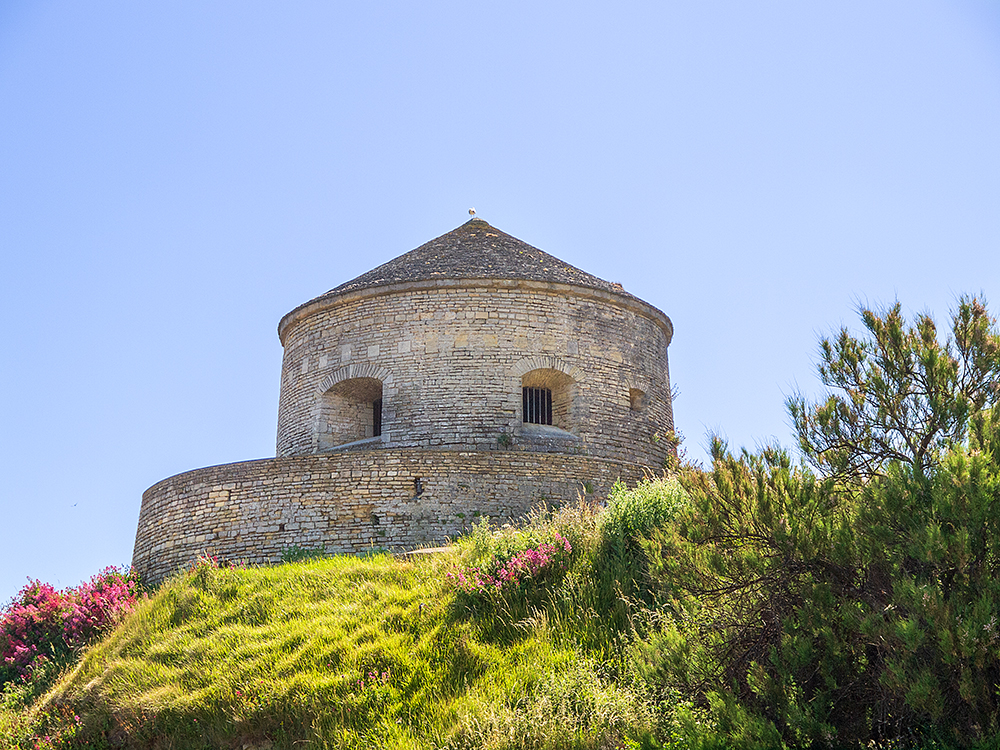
(547,397)
(350,410)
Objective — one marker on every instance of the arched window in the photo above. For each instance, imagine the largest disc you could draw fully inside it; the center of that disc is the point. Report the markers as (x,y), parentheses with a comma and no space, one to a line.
(350,411)
(638,400)
(547,398)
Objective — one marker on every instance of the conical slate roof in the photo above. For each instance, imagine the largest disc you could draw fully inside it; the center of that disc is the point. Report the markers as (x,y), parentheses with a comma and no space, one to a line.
(475,250)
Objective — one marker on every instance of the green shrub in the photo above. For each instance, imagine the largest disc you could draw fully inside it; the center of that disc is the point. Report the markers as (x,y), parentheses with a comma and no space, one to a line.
(593,606)
(619,575)
(520,574)
(802,608)
(633,513)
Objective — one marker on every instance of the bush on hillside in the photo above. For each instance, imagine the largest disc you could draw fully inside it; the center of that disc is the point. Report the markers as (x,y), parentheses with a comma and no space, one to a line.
(506,572)
(44,624)
(803,615)
(617,579)
(631,514)
(32,629)
(854,609)
(98,604)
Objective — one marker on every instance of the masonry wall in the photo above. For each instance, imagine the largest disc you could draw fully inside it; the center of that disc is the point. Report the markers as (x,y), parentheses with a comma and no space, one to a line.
(451,356)
(347,502)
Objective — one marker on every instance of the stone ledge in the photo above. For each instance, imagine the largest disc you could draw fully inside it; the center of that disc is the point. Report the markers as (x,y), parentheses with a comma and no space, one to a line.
(621,299)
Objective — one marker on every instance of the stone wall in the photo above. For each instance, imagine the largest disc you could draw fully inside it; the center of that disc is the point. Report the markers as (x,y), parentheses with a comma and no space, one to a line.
(350,501)
(451,356)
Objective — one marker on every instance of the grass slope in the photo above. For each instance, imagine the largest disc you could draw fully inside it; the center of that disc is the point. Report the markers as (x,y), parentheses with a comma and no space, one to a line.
(349,652)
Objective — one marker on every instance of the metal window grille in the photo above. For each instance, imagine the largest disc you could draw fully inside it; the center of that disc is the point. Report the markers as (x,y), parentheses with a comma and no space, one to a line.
(376,417)
(536,405)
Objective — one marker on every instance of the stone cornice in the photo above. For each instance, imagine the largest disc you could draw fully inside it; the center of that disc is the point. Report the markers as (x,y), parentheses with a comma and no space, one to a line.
(623,299)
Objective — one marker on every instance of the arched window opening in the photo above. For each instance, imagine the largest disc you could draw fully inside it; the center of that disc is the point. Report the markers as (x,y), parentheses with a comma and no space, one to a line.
(638,400)
(547,398)
(350,411)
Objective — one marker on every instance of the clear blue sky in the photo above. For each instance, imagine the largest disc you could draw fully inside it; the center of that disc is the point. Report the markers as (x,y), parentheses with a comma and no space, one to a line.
(174,177)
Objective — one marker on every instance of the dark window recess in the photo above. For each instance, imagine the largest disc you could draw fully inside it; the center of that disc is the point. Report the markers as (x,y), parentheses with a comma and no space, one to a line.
(376,417)
(537,405)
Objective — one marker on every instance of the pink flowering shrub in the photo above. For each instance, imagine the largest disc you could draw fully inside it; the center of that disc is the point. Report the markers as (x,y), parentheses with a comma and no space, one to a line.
(520,571)
(31,628)
(98,604)
(205,561)
(42,623)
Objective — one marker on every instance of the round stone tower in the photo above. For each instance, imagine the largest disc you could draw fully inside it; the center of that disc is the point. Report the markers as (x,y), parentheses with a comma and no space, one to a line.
(450,345)
(473,376)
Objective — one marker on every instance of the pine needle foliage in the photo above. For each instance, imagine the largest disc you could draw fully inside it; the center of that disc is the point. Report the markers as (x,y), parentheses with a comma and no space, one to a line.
(900,393)
(799,612)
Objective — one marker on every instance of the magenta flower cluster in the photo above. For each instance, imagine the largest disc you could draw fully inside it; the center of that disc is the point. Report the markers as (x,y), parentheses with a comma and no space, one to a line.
(373,679)
(42,622)
(532,565)
(206,561)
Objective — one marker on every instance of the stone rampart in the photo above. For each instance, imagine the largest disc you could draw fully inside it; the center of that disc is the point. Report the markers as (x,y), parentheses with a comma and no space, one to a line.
(346,502)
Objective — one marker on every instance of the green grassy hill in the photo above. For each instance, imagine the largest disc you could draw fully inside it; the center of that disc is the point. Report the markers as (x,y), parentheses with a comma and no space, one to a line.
(365,652)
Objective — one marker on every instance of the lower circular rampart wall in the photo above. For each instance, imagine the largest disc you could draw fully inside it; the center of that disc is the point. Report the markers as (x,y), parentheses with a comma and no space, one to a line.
(347,502)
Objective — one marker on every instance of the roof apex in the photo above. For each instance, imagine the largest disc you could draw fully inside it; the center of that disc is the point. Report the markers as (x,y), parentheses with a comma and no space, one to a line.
(473,250)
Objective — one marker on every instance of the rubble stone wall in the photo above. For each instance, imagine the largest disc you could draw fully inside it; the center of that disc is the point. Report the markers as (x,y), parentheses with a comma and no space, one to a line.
(350,501)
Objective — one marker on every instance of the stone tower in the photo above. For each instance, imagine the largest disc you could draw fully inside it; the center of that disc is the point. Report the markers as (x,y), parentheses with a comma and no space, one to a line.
(473,376)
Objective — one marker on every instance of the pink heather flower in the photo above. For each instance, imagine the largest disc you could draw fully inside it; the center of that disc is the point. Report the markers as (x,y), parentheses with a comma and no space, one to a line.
(526,566)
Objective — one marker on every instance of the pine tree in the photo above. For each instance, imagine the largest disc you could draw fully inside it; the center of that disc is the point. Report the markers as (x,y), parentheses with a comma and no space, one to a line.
(900,394)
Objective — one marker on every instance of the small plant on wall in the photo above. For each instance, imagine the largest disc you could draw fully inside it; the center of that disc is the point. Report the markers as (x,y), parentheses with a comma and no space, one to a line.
(296,553)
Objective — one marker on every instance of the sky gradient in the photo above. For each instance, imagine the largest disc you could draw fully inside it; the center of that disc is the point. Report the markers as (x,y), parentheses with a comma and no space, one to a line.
(175,178)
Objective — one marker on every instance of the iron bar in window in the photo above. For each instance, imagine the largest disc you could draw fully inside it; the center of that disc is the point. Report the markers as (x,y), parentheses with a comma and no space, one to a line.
(536,405)
(376,417)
